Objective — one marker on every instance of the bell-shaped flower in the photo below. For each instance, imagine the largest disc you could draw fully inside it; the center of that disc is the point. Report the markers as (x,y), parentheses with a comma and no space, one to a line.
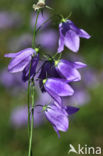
(58,116)
(70,36)
(48,70)
(23,61)
(69,70)
(57,88)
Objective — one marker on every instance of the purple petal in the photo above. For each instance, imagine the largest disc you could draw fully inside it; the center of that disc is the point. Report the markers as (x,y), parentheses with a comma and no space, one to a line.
(54,96)
(71,110)
(21,60)
(56,130)
(67,70)
(61,40)
(12,55)
(59,87)
(57,117)
(79,65)
(33,63)
(84,34)
(19,67)
(72,41)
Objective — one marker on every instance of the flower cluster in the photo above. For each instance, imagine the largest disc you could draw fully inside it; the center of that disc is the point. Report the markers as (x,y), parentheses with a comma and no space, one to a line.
(55,75)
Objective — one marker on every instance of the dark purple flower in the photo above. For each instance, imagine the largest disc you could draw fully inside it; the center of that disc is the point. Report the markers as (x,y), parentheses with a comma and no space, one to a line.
(70,36)
(21,62)
(58,116)
(69,70)
(47,71)
(57,88)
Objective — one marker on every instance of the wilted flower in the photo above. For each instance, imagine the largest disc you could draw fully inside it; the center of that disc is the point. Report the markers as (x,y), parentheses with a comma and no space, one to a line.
(58,116)
(21,62)
(70,36)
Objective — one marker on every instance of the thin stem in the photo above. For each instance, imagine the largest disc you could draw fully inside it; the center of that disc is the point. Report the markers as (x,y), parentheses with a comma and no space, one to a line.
(32,120)
(30,124)
(29,102)
(34,34)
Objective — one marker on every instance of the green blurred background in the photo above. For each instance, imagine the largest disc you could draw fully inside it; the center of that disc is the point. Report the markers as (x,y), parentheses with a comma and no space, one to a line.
(86,127)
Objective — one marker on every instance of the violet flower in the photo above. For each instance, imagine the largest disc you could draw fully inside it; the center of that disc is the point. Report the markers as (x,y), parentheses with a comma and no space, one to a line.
(57,88)
(70,36)
(21,62)
(69,70)
(58,116)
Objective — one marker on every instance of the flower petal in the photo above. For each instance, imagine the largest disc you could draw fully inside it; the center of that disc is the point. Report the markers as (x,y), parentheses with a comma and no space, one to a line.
(19,67)
(54,96)
(71,110)
(33,63)
(12,55)
(59,87)
(66,69)
(22,58)
(79,65)
(57,118)
(84,34)
(61,40)
(72,41)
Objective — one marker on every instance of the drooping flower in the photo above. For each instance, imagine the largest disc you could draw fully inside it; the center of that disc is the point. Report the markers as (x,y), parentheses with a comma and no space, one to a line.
(70,36)
(57,88)
(22,61)
(47,71)
(58,116)
(69,70)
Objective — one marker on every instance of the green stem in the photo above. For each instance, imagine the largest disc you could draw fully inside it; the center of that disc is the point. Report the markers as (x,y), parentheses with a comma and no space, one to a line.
(29,102)
(34,34)
(32,120)
(30,124)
